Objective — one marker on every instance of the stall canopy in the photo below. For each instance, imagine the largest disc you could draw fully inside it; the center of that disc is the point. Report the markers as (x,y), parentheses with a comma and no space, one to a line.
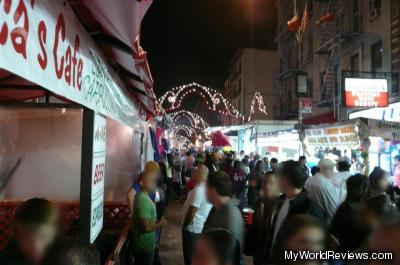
(81,51)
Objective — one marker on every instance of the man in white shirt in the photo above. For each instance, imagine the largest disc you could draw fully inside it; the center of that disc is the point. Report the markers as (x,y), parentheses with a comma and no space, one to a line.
(321,189)
(195,212)
(339,179)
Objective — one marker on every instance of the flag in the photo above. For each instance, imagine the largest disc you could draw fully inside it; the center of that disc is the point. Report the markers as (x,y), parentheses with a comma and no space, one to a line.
(305,19)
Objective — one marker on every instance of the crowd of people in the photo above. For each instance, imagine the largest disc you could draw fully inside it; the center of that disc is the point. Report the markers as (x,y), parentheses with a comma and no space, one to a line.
(235,205)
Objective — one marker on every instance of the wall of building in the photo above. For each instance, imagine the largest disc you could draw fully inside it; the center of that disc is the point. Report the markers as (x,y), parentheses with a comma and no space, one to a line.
(252,70)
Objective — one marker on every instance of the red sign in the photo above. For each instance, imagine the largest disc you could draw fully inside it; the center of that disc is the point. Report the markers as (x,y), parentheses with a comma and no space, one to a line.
(306,105)
(363,92)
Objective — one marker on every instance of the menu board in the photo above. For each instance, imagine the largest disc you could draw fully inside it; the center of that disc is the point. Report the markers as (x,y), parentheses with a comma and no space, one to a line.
(340,135)
(98,172)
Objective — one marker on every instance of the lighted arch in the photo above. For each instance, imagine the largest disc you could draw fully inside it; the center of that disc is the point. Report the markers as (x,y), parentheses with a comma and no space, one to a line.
(213,99)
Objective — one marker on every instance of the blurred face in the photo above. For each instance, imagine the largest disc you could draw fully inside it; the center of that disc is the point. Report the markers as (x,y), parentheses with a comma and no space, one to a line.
(218,156)
(34,243)
(283,183)
(384,183)
(270,186)
(307,239)
(203,254)
(149,181)
(211,194)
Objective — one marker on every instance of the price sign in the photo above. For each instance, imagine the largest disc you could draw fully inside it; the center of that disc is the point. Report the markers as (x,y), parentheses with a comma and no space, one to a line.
(94,139)
(96,217)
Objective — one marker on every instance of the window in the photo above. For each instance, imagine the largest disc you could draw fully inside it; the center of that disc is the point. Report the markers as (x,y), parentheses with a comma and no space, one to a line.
(311,88)
(374,8)
(395,84)
(310,48)
(355,63)
(395,8)
(356,22)
(376,56)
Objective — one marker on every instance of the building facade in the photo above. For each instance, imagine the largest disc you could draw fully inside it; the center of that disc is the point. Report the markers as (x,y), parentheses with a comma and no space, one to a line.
(344,38)
(251,70)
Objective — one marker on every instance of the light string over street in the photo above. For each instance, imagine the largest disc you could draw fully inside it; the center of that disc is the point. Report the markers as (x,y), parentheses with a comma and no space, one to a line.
(261,106)
(181,142)
(190,131)
(196,121)
(212,98)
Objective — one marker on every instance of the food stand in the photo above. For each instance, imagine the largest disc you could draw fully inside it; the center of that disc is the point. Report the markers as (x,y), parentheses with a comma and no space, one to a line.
(71,128)
(357,138)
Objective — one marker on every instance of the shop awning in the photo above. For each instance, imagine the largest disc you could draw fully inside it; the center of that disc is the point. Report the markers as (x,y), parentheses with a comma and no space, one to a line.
(87,52)
(120,23)
(320,119)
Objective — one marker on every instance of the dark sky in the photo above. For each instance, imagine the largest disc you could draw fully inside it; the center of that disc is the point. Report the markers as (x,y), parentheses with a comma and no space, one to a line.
(194,40)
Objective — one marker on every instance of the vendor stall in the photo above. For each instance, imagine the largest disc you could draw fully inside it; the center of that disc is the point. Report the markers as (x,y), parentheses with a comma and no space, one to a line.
(268,138)
(367,143)
(71,128)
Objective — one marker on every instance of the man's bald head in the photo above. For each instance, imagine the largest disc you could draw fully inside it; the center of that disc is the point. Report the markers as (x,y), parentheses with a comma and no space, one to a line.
(200,174)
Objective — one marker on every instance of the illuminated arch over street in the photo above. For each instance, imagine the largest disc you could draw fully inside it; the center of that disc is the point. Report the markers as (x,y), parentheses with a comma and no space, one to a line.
(172,99)
(195,120)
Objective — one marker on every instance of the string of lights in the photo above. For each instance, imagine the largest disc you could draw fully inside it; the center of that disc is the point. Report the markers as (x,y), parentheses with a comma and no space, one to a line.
(261,106)
(181,143)
(196,121)
(190,131)
(212,98)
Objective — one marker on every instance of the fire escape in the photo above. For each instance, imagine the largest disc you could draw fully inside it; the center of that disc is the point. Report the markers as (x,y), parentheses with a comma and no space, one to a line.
(334,35)
(284,106)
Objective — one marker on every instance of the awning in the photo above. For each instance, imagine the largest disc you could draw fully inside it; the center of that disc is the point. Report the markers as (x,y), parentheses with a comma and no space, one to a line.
(53,51)
(320,119)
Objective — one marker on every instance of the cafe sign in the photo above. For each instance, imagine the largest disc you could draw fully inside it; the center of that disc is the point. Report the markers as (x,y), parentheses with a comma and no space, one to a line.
(340,135)
(44,43)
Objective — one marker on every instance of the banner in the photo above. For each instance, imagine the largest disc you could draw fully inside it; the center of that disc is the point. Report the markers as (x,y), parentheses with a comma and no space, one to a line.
(331,136)
(44,42)
(386,129)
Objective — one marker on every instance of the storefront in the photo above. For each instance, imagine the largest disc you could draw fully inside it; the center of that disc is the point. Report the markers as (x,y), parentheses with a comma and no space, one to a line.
(71,128)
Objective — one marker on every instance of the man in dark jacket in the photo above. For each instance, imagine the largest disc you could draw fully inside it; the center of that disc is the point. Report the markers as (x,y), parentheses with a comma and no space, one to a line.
(295,199)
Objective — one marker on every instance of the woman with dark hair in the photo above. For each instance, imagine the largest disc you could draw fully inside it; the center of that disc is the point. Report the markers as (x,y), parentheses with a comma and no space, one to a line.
(255,182)
(350,236)
(300,233)
(379,181)
(217,247)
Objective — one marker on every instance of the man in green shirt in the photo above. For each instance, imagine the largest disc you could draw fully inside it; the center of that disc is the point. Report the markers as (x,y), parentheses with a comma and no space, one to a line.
(144,221)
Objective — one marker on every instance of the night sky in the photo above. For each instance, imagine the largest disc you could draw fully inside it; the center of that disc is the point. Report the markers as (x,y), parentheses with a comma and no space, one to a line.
(194,40)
